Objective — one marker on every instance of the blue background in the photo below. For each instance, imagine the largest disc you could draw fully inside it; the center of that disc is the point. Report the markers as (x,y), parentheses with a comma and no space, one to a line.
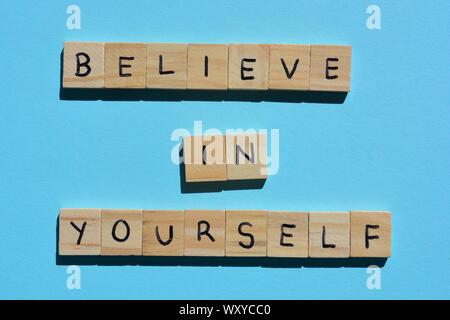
(385,148)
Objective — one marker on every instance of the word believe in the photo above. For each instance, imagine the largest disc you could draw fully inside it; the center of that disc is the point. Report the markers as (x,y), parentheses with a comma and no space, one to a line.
(255,233)
(207,66)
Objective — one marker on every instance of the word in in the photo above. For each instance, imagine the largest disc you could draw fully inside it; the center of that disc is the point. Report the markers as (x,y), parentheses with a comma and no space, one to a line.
(225,157)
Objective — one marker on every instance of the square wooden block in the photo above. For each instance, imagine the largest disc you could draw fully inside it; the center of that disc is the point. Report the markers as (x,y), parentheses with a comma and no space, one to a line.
(330,68)
(162,232)
(370,234)
(125,65)
(204,158)
(121,232)
(248,66)
(246,233)
(287,234)
(246,156)
(79,231)
(329,234)
(289,67)
(204,233)
(207,66)
(84,65)
(167,65)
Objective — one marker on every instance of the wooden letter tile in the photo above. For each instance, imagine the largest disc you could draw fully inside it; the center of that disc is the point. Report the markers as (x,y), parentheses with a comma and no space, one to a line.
(329,234)
(248,66)
(204,158)
(246,233)
(287,234)
(162,232)
(207,66)
(370,234)
(121,232)
(204,233)
(167,65)
(125,65)
(289,67)
(330,68)
(246,156)
(83,65)
(79,231)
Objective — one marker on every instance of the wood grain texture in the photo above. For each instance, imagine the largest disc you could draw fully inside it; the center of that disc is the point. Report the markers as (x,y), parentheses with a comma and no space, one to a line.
(337,234)
(173,60)
(379,223)
(339,79)
(159,223)
(239,147)
(210,73)
(248,222)
(90,76)
(132,72)
(204,158)
(70,242)
(212,221)
(117,239)
(287,234)
(289,67)
(256,77)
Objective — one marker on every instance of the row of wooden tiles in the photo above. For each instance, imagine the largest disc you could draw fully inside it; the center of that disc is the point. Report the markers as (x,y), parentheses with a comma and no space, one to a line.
(224,233)
(225,157)
(207,66)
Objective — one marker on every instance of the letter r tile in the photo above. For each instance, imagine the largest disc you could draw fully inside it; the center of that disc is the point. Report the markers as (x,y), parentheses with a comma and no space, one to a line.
(204,233)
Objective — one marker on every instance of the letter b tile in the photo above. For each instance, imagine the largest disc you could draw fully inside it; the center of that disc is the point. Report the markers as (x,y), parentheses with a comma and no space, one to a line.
(83,65)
